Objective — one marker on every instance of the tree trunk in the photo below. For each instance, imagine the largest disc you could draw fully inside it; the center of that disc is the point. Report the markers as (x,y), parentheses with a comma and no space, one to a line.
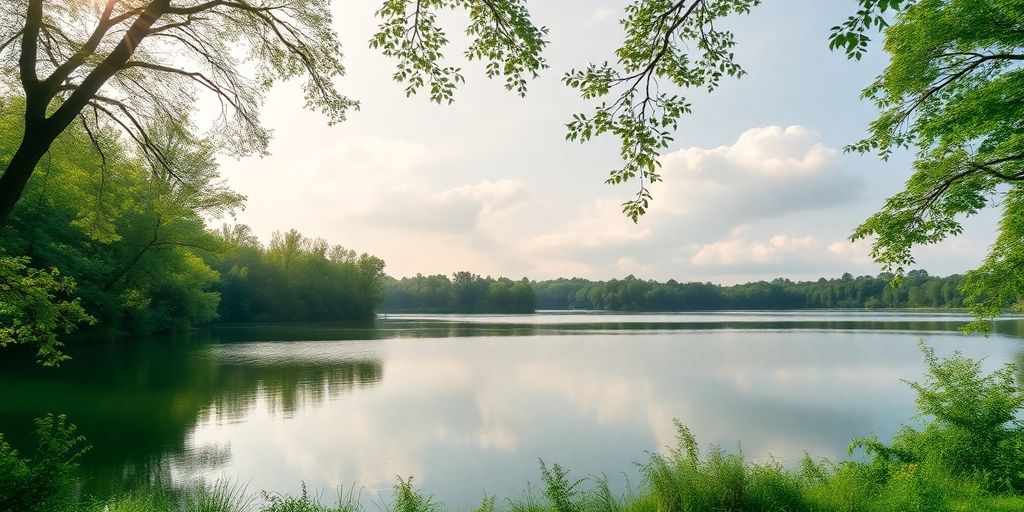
(34,144)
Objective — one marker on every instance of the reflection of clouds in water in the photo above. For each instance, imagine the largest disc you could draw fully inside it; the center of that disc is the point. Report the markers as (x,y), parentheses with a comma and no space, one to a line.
(594,391)
(467,415)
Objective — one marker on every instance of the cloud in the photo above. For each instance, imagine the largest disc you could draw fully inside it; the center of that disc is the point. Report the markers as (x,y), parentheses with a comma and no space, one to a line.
(419,207)
(858,252)
(766,172)
(601,226)
(777,249)
(602,13)
(709,199)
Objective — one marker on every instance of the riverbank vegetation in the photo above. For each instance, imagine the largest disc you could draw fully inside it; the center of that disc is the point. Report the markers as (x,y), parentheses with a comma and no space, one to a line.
(470,293)
(465,292)
(967,454)
(916,290)
(129,250)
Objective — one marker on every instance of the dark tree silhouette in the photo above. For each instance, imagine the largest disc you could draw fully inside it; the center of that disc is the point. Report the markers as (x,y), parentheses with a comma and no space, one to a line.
(134,64)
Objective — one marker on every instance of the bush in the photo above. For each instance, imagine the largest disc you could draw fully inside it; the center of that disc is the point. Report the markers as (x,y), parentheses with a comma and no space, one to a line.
(973,430)
(47,481)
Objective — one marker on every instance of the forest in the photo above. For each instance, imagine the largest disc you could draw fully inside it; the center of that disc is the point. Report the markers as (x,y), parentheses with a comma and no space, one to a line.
(916,290)
(469,293)
(132,251)
(465,292)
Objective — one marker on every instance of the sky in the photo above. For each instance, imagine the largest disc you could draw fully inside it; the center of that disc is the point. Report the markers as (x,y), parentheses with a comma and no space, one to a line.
(756,184)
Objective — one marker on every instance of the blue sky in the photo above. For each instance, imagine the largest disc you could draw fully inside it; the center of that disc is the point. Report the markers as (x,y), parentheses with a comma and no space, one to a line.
(756,183)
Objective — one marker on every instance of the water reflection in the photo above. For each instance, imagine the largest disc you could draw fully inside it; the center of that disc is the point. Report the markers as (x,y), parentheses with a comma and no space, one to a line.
(467,405)
(138,402)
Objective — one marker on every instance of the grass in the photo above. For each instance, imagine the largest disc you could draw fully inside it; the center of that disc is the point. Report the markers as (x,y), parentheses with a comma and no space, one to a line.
(968,457)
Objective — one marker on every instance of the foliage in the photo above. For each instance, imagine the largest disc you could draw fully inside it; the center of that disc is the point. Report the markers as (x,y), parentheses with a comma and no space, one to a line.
(222,496)
(974,429)
(131,66)
(409,499)
(294,278)
(631,294)
(501,32)
(561,492)
(668,44)
(133,244)
(952,91)
(48,480)
(304,503)
(131,237)
(36,306)
(463,293)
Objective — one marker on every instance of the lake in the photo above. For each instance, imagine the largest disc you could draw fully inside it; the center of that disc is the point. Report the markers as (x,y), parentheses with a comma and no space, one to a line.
(468,404)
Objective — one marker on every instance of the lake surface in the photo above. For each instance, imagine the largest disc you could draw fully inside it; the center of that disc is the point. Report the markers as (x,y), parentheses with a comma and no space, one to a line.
(467,404)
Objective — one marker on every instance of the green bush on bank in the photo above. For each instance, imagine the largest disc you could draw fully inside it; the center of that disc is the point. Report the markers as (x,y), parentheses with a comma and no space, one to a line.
(968,455)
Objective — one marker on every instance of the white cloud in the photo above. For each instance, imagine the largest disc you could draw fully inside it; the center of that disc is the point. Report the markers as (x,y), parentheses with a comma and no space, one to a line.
(777,249)
(766,172)
(858,252)
(602,225)
(417,206)
(602,13)
(709,200)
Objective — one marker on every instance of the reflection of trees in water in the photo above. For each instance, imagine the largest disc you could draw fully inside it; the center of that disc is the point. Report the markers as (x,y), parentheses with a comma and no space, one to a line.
(137,401)
(287,385)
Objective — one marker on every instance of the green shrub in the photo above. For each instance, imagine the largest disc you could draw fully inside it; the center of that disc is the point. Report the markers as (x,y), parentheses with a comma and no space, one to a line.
(409,499)
(47,481)
(563,494)
(973,430)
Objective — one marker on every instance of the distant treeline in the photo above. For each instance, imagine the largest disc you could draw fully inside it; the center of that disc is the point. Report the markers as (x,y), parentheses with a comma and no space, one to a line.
(463,293)
(470,293)
(916,290)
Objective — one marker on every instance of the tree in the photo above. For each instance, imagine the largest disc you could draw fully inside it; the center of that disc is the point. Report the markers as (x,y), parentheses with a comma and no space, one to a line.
(669,45)
(131,63)
(953,91)
(139,60)
(36,305)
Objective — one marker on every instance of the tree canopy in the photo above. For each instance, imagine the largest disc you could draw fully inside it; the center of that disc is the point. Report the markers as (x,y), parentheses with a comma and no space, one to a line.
(953,92)
(133,64)
(126,64)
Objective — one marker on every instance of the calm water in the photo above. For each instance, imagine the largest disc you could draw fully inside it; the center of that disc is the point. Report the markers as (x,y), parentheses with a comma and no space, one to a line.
(467,404)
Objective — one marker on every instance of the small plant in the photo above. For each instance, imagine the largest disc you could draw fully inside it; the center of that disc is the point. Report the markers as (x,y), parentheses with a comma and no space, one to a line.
(487,505)
(409,499)
(47,481)
(222,496)
(563,494)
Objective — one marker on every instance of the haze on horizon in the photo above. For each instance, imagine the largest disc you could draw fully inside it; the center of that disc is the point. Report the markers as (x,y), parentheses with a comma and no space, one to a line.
(756,185)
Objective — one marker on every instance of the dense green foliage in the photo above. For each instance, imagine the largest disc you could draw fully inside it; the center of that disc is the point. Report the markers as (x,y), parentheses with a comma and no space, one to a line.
(463,293)
(469,293)
(630,294)
(294,278)
(132,239)
(134,253)
(46,481)
(120,65)
(37,305)
(967,455)
(952,91)
(975,429)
